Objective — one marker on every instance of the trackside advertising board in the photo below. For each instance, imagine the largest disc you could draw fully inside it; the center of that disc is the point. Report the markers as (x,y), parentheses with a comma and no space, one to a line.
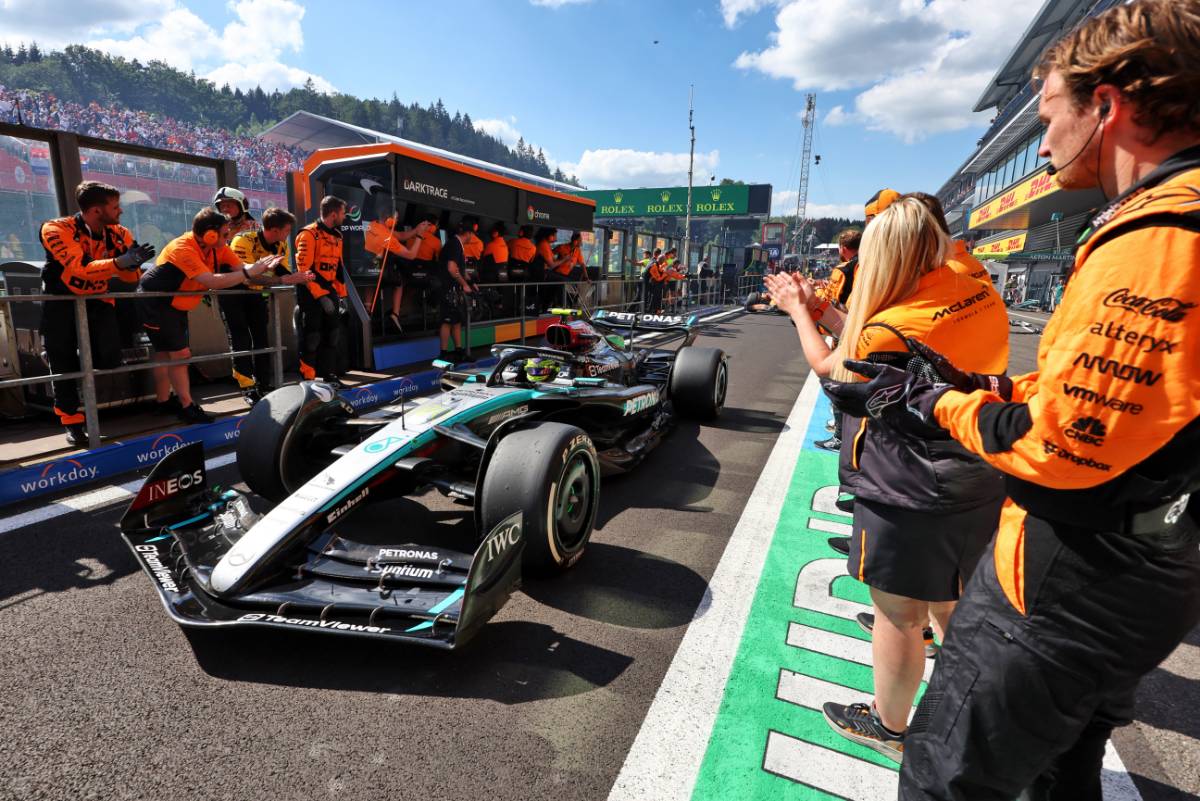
(671,201)
(142,453)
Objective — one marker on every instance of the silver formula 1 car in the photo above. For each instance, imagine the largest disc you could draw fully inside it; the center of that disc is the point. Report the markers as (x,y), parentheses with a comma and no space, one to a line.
(523,443)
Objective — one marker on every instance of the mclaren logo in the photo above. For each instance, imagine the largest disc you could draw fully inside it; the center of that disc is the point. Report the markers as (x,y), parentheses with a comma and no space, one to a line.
(962,305)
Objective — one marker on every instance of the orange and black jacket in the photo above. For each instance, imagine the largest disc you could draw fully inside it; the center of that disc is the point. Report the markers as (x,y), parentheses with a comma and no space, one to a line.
(472,248)
(79,262)
(319,249)
(662,271)
(1108,427)
(572,255)
(179,263)
(496,250)
(965,320)
(522,249)
(841,282)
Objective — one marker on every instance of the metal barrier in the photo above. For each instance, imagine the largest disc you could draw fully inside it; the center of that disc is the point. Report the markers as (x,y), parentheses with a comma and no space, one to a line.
(87,373)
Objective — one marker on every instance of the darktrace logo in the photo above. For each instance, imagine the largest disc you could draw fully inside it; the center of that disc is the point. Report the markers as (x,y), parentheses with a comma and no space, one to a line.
(1167,309)
(1082,461)
(160,448)
(354,213)
(425,189)
(1119,371)
(1088,430)
(1089,395)
(962,305)
(59,474)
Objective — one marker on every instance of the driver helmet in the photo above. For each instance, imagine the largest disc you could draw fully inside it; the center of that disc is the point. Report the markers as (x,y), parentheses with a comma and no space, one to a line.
(541,370)
(229,193)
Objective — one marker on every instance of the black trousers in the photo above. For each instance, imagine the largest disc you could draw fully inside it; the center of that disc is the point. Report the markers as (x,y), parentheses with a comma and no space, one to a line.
(654,296)
(1028,700)
(62,348)
(321,334)
(246,318)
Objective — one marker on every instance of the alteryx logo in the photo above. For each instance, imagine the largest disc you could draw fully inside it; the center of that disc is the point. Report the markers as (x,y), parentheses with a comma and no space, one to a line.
(59,474)
(354,213)
(160,448)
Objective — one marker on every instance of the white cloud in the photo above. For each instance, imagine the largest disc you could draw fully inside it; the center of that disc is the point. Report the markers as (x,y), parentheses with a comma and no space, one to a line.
(504,130)
(267,74)
(57,23)
(617,168)
(245,53)
(557,3)
(783,204)
(920,64)
(732,9)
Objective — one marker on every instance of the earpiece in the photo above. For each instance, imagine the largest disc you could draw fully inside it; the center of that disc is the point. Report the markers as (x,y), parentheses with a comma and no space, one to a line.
(1105,107)
(211,238)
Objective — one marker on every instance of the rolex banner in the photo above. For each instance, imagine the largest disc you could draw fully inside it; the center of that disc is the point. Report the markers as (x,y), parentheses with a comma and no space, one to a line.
(715,201)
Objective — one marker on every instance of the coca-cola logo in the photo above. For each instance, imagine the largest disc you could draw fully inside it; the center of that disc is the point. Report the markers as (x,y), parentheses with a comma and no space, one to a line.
(1170,310)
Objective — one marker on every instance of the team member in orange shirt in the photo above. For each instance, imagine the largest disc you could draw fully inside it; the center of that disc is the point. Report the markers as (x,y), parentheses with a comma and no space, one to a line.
(545,267)
(83,253)
(193,262)
(521,253)
(924,510)
(322,301)
(1095,576)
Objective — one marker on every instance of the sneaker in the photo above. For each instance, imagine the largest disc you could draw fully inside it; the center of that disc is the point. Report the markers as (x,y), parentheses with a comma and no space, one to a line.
(462,356)
(252,395)
(394,319)
(77,435)
(448,356)
(861,724)
(845,504)
(866,622)
(840,544)
(832,444)
(831,425)
(194,414)
(170,406)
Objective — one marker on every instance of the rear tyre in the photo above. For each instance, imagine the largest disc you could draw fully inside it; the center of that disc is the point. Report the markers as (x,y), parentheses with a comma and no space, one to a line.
(699,381)
(549,472)
(279,447)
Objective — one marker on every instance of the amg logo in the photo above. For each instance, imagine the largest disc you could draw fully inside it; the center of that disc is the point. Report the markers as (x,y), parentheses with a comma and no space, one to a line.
(425,189)
(1121,372)
(965,303)
(1092,396)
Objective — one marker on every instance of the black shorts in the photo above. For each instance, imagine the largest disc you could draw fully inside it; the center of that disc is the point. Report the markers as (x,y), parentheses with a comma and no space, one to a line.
(451,302)
(927,556)
(166,326)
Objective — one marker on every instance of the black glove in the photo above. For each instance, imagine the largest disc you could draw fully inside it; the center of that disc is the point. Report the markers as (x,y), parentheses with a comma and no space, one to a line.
(960,379)
(135,256)
(902,400)
(327,305)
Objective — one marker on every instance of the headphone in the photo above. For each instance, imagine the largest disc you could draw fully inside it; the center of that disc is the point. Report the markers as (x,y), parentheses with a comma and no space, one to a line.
(1105,108)
(211,238)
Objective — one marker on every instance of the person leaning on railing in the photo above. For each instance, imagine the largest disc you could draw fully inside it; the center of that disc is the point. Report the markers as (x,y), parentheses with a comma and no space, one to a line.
(192,262)
(83,253)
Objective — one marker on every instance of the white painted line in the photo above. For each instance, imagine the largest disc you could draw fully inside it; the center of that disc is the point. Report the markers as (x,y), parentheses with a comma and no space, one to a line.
(1039,320)
(665,758)
(87,501)
(814,589)
(1115,781)
(837,646)
(823,501)
(812,693)
(830,527)
(815,766)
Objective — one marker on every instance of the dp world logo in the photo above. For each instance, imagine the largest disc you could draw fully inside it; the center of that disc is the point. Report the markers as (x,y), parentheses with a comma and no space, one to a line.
(666,196)
(354,213)
(716,194)
(618,197)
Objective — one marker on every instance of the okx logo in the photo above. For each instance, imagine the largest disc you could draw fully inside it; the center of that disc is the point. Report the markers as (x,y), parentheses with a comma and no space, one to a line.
(1088,430)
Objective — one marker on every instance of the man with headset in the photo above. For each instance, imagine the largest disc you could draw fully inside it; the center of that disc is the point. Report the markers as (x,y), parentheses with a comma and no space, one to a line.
(1095,576)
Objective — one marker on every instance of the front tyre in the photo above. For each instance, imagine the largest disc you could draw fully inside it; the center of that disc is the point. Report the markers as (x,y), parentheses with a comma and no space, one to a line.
(699,382)
(549,472)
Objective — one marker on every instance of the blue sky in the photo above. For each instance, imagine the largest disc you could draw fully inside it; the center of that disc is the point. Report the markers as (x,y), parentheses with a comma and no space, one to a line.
(895,79)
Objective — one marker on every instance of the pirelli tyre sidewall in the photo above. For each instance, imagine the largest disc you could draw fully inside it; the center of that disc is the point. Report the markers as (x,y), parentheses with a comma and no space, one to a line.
(276,447)
(699,381)
(550,473)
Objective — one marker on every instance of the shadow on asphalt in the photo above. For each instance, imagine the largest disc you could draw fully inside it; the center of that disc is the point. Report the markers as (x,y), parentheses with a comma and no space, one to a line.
(510,662)
(75,557)
(1152,790)
(1158,698)
(679,477)
(749,421)
(624,587)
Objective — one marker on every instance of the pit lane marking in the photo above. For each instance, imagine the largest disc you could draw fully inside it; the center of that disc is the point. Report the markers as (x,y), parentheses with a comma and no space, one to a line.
(94,499)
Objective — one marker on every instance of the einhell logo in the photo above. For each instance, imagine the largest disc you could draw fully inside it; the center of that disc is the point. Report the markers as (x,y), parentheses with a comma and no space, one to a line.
(59,474)
(534,214)
(160,448)
(354,213)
